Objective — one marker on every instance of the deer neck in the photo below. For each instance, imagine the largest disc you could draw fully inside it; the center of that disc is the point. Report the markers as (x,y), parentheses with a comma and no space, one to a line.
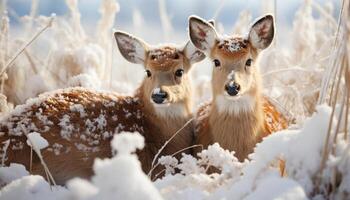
(236,125)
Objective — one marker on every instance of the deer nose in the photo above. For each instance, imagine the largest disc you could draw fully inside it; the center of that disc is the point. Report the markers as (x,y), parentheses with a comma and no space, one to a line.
(159,96)
(232,88)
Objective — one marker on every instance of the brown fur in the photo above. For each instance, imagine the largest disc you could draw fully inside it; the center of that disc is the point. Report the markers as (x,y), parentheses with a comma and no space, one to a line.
(237,132)
(122,113)
(238,116)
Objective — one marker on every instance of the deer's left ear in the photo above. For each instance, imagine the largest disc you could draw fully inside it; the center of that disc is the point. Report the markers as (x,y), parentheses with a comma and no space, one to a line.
(202,34)
(132,49)
(192,53)
(262,32)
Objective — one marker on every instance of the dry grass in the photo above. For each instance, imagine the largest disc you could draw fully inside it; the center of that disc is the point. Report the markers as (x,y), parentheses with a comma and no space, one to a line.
(338,95)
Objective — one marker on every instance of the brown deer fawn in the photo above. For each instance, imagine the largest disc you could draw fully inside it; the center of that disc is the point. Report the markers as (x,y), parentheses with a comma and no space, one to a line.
(238,115)
(79,123)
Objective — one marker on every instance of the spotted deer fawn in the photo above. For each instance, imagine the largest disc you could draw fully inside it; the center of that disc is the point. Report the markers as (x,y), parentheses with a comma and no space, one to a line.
(238,115)
(79,123)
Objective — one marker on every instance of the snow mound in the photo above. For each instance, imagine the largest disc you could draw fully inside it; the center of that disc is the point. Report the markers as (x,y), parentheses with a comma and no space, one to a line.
(192,177)
(120,177)
(12,172)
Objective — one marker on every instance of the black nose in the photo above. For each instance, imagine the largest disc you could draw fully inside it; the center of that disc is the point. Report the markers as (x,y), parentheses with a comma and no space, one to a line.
(159,97)
(232,88)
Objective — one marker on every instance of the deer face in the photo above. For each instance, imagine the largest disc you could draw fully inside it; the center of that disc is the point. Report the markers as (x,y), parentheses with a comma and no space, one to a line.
(166,85)
(235,78)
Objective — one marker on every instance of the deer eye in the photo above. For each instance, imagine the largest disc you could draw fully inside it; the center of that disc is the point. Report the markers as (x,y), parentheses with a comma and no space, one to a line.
(217,63)
(179,72)
(148,73)
(249,62)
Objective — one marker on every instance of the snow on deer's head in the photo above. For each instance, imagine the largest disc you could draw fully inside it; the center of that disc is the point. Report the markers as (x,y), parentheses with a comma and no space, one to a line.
(166,85)
(235,79)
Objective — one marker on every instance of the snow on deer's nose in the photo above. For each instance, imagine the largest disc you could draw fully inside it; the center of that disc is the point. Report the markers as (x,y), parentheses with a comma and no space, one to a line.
(159,96)
(231,76)
(232,88)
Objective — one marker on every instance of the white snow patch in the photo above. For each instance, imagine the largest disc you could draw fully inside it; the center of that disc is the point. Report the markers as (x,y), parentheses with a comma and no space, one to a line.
(12,172)
(126,142)
(35,140)
(78,108)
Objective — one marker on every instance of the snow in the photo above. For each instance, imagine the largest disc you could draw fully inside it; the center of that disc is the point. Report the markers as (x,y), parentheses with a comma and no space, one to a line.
(120,177)
(31,187)
(78,108)
(230,44)
(35,140)
(254,179)
(12,172)
(282,189)
(67,128)
(127,143)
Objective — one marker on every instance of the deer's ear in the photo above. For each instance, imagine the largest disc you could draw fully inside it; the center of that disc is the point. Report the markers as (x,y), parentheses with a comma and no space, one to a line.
(202,34)
(262,32)
(212,22)
(192,53)
(132,49)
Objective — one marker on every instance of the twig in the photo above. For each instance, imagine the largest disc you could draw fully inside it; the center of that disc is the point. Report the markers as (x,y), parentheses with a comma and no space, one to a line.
(179,151)
(346,117)
(340,116)
(31,159)
(322,11)
(166,143)
(326,143)
(49,176)
(31,62)
(7,144)
(156,176)
(286,70)
(49,24)
(218,9)
(164,19)
(330,71)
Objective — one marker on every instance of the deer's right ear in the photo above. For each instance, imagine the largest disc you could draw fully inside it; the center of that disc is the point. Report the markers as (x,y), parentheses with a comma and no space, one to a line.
(202,34)
(133,49)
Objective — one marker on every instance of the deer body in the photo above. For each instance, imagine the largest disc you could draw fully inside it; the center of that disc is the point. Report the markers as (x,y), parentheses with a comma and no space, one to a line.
(238,115)
(79,123)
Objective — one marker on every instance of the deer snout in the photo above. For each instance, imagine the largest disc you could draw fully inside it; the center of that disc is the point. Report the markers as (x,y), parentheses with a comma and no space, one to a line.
(159,96)
(232,88)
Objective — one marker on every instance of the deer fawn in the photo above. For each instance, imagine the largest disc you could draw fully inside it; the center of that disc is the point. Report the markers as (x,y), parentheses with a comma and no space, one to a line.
(79,123)
(238,116)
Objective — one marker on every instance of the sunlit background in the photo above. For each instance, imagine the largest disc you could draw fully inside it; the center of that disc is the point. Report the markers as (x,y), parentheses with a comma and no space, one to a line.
(148,12)
(83,34)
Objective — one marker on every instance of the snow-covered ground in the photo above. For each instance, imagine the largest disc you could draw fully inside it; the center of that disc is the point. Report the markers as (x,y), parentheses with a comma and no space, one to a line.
(121,177)
(294,73)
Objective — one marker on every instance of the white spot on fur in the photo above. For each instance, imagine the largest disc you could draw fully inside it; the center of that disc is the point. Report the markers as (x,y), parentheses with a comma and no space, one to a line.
(234,105)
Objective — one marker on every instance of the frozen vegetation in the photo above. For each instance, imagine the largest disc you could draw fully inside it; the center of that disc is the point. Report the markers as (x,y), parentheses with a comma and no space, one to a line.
(308,79)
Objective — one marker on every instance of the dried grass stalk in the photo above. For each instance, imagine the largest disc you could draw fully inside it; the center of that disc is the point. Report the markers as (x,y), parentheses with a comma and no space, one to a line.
(21,50)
